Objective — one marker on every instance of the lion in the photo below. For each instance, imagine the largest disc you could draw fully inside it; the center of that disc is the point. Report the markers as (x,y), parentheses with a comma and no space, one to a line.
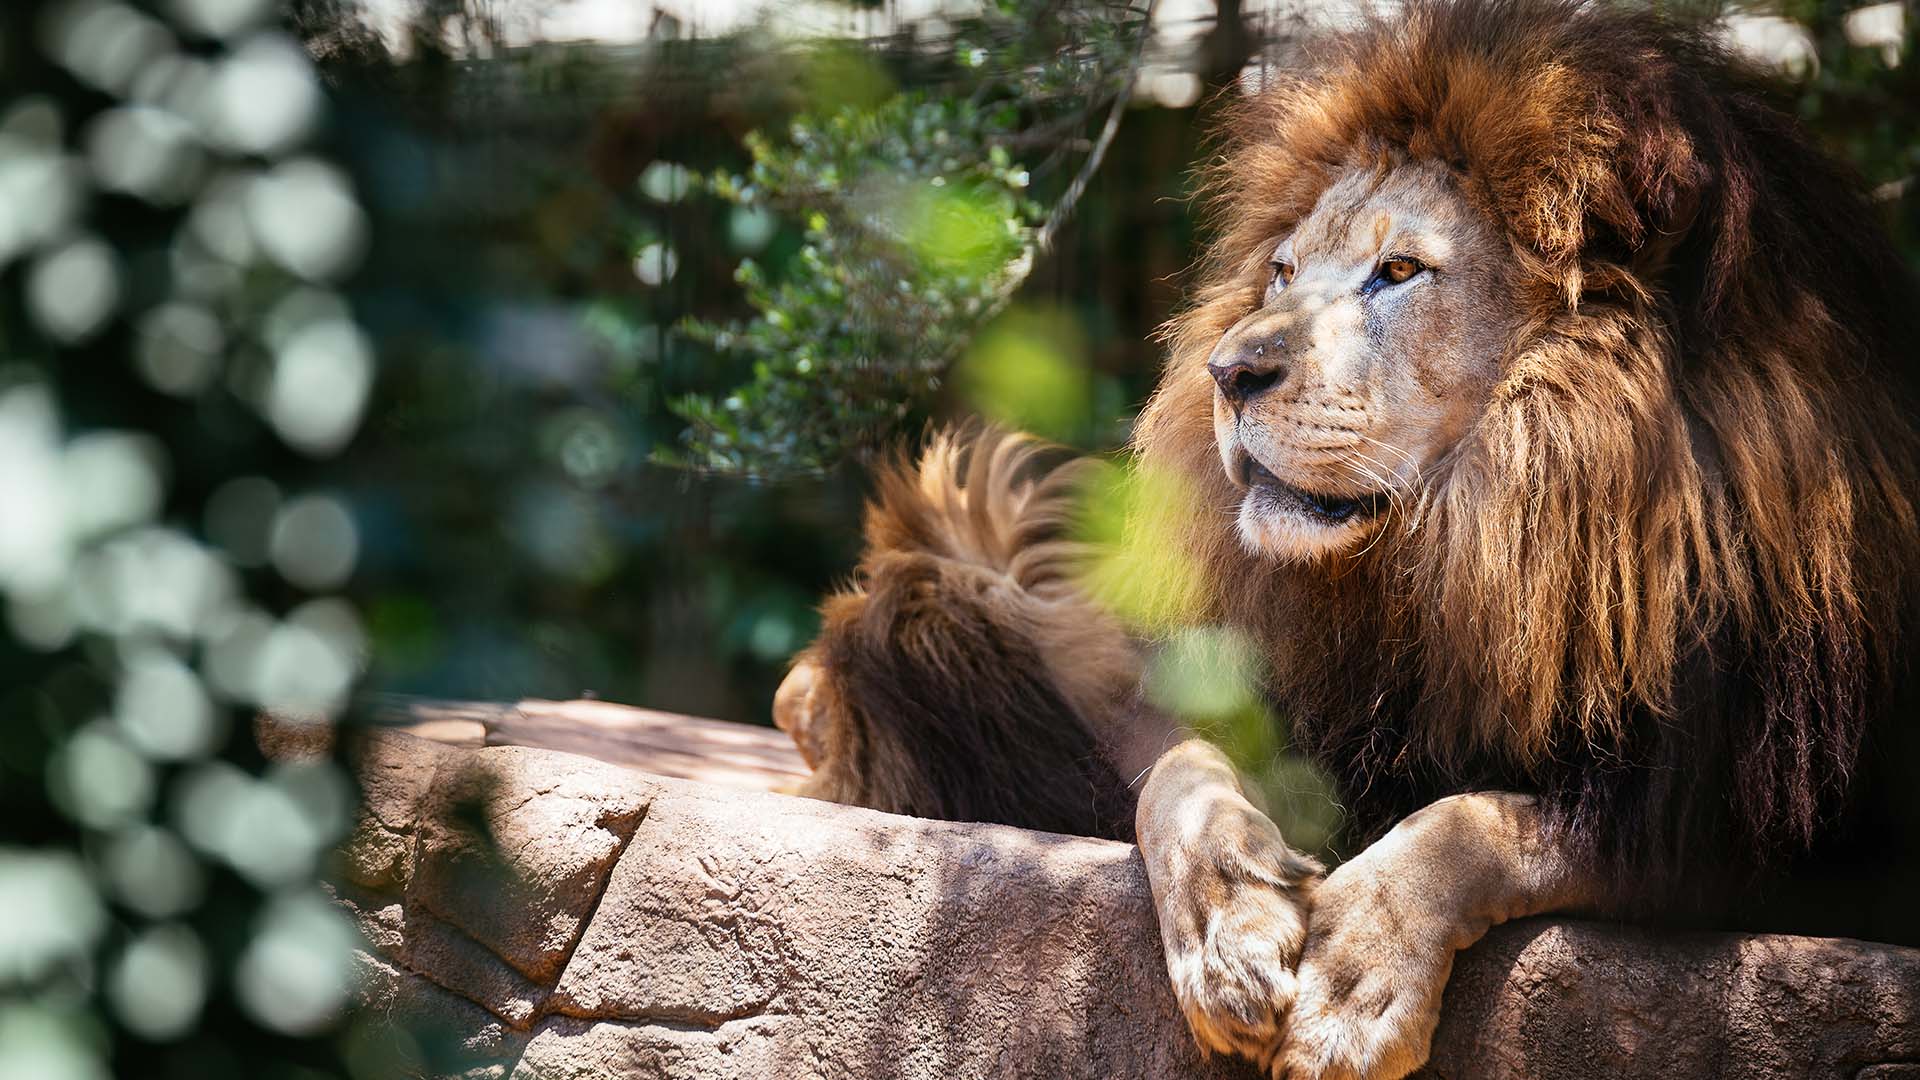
(1544,410)
(1560,389)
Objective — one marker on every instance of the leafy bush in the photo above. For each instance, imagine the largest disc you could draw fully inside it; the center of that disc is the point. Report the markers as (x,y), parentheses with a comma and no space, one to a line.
(920,222)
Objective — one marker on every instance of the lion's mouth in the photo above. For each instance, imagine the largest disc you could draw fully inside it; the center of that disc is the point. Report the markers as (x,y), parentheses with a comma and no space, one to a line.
(1278,495)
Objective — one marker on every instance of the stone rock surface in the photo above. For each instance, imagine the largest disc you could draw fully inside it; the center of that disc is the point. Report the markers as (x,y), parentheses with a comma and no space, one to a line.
(542,915)
(1555,999)
(660,743)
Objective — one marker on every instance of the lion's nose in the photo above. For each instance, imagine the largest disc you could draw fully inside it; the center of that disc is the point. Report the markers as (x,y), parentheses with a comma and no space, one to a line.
(1247,374)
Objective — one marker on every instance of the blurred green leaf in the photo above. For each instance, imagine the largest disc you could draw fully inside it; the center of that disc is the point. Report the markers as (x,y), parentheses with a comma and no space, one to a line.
(1028,371)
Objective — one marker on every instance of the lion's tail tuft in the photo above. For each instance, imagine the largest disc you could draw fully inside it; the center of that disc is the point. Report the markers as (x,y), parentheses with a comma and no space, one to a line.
(963,675)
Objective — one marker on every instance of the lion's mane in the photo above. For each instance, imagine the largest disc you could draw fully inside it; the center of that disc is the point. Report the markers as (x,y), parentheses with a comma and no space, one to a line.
(1665,581)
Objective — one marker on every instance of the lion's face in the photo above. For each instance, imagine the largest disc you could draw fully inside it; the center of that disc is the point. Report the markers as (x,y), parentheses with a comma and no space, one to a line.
(1382,327)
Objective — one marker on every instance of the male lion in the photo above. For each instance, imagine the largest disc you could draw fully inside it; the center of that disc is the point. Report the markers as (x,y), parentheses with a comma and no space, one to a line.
(1544,412)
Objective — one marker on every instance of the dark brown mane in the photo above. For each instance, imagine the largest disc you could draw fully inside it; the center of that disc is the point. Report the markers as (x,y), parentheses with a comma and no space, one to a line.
(1666,581)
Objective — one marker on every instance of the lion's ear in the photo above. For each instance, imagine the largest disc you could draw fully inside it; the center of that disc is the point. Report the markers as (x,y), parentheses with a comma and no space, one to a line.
(1666,179)
(1634,184)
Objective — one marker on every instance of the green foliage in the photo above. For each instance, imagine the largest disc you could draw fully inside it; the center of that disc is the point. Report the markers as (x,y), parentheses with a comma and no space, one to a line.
(1212,678)
(1027,370)
(919,222)
(915,228)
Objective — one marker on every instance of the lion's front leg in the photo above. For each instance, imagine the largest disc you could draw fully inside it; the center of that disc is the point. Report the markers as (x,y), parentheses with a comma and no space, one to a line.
(1232,899)
(1386,925)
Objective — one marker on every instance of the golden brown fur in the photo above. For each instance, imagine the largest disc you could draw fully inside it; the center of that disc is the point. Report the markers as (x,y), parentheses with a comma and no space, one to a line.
(962,675)
(1667,576)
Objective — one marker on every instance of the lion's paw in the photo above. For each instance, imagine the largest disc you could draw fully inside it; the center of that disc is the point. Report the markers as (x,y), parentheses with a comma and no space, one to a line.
(1368,989)
(1234,977)
(1359,1025)
(1235,923)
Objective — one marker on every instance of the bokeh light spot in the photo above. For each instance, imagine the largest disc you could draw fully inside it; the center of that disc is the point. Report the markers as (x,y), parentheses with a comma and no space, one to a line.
(1145,573)
(152,579)
(295,974)
(113,479)
(666,181)
(300,672)
(159,982)
(264,97)
(35,119)
(179,348)
(1028,370)
(271,830)
(146,152)
(586,444)
(1174,89)
(72,290)
(562,532)
(207,801)
(180,84)
(1204,674)
(232,659)
(314,542)
(162,708)
(99,780)
(751,228)
(279,842)
(305,217)
(218,219)
(335,622)
(774,636)
(321,378)
(150,871)
(45,620)
(36,1042)
(34,553)
(40,188)
(104,44)
(48,912)
(655,264)
(220,18)
(950,229)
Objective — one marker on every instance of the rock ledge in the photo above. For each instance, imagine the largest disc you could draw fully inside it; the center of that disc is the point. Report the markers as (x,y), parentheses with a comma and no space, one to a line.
(536,914)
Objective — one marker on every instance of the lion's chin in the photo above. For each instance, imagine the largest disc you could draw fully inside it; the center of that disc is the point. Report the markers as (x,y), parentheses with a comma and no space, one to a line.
(1287,523)
(1291,536)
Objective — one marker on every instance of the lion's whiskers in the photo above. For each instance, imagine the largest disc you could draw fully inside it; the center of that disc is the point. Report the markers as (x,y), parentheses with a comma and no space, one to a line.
(1393,499)
(1411,481)
(1408,458)
(1386,485)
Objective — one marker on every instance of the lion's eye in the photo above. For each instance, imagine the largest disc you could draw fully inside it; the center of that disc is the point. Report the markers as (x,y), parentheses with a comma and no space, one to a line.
(1282,274)
(1395,271)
